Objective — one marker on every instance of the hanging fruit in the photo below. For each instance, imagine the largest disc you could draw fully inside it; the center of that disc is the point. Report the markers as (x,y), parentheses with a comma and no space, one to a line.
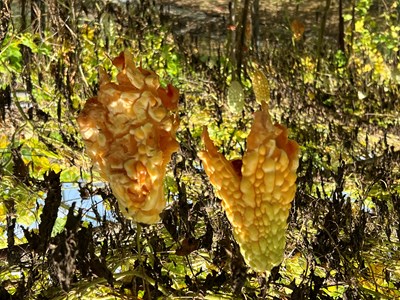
(129,133)
(260,86)
(235,97)
(257,191)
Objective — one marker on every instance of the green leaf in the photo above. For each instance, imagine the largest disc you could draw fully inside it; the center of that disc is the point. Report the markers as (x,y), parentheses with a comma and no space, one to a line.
(71,174)
(58,226)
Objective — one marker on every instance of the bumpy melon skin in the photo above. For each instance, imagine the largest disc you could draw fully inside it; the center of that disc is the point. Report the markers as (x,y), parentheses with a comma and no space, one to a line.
(235,97)
(257,200)
(129,133)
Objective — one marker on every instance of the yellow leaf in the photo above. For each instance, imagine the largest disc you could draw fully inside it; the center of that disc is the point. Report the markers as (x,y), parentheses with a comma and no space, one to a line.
(3,141)
(297,28)
(3,212)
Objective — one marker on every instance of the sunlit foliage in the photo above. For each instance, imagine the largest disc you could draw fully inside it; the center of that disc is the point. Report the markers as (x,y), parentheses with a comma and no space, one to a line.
(61,233)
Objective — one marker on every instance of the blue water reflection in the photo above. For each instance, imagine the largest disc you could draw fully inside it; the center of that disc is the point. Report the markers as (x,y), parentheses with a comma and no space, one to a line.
(88,204)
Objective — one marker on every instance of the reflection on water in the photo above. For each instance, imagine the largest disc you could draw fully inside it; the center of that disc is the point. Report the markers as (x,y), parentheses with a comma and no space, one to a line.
(70,193)
(88,203)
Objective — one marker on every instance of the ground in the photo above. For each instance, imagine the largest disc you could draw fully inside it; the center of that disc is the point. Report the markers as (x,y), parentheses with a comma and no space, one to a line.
(275,15)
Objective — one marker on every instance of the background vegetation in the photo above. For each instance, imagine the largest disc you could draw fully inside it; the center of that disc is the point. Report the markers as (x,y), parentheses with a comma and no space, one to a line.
(334,78)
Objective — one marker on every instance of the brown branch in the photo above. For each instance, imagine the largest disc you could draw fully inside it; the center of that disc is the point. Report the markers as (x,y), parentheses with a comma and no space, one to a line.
(341,27)
(242,38)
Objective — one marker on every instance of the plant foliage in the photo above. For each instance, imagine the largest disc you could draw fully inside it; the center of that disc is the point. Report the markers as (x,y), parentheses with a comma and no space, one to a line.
(62,235)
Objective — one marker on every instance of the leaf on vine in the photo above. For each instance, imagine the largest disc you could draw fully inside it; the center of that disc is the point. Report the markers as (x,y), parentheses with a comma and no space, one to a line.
(50,209)
(188,246)
(297,28)
(20,170)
